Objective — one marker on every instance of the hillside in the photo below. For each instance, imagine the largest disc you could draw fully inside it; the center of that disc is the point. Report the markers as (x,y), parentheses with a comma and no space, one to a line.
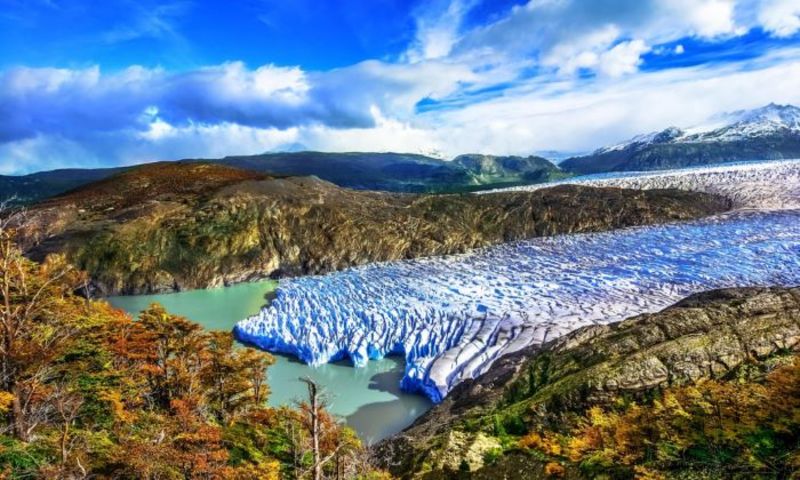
(491,170)
(90,392)
(767,133)
(31,188)
(396,172)
(547,411)
(393,172)
(174,226)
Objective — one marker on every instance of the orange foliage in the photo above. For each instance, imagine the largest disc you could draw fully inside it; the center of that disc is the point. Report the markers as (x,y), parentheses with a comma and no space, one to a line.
(96,393)
(744,426)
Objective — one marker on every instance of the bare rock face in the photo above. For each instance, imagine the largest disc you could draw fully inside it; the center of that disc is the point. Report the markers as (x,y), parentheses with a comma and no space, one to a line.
(176,226)
(708,335)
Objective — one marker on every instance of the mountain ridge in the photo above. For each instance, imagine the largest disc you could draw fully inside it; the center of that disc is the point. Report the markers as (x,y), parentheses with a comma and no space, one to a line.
(771,132)
(387,171)
(174,226)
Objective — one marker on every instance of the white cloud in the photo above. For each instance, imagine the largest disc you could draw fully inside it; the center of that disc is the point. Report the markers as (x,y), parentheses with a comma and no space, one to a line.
(566,114)
(489,99)
(387,135)
(709,18)
(562,116)
(623,58)
(437,29)
(780,17)
(569,30)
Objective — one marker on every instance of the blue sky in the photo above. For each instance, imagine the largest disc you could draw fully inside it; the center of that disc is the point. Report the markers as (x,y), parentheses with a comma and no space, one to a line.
(121,81)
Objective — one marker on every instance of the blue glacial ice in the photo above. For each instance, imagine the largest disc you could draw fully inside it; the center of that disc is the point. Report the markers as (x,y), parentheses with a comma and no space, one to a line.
(451,317)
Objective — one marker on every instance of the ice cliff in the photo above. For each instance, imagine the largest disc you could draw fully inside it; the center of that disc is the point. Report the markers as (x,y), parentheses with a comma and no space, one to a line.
(451,317)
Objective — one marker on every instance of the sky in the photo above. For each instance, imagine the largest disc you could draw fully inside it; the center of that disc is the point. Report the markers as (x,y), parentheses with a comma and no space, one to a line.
(119,82)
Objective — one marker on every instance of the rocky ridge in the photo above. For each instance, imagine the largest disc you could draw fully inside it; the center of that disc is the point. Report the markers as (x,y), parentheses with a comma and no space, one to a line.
(707,335)
(175,226)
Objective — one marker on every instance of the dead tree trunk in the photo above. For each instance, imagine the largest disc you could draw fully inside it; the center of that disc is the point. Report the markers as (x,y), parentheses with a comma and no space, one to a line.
(314,429)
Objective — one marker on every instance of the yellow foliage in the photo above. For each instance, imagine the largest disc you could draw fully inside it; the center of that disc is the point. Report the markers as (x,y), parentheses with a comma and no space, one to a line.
(6,399)
(710,417)
(114,399)
(644,473)
(262,471)
(549,445)
(554,469)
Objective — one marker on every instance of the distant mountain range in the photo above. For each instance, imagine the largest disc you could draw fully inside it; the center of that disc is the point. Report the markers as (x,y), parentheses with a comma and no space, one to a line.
(767,133)
(394,172)
(770,132)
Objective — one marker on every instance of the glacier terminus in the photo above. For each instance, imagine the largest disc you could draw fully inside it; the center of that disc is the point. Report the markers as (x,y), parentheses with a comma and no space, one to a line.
(452,317)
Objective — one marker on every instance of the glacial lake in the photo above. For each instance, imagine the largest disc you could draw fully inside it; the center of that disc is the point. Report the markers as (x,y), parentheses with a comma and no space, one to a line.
(369,399)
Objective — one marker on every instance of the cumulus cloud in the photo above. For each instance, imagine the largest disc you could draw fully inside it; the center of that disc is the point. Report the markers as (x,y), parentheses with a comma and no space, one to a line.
(63,117)
(571,30)
(71,103)
(561,117)
(781,17)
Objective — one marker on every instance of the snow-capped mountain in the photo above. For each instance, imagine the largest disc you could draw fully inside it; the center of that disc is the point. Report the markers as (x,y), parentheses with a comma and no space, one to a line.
(769,120)
(769,132)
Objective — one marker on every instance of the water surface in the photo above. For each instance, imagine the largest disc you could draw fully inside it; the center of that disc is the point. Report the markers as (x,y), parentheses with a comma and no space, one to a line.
(369,398)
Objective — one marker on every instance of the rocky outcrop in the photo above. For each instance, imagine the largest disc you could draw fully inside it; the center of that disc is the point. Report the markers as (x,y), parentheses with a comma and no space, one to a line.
(175,226)
(708,335)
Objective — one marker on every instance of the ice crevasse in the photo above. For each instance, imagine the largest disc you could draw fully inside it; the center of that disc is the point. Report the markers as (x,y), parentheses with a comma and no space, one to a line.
(451,317)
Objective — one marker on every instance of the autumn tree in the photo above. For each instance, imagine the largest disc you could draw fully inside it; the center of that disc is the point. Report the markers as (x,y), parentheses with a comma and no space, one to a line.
(717,425)
(39,317)
(87,391)
(236,377)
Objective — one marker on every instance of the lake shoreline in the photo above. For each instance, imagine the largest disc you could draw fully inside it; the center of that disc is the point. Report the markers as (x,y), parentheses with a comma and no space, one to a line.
(368,399)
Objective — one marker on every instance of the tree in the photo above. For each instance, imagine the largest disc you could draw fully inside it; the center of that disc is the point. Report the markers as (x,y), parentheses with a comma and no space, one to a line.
(313,425)
(39,317)
(236,377)
(86,391)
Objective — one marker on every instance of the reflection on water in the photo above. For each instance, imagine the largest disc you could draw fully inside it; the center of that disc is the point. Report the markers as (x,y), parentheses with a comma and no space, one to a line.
(369,398)
(376,420)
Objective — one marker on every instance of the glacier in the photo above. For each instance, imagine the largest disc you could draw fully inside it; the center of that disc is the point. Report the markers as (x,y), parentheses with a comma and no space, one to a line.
(754,185)
(451,317)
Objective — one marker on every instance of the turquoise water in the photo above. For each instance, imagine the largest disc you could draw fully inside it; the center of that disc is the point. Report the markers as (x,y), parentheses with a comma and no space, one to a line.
(368,399)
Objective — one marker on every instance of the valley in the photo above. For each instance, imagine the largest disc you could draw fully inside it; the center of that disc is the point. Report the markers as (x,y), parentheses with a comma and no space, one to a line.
(400,240)
(176,226)
(452,317)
